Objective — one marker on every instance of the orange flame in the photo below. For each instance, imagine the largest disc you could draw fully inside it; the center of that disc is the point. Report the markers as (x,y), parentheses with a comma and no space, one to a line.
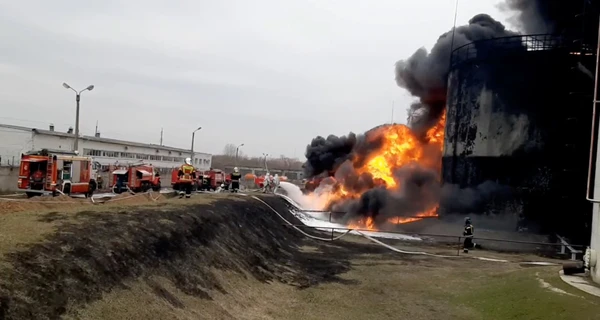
(427,214)
(400,147)
(366,224)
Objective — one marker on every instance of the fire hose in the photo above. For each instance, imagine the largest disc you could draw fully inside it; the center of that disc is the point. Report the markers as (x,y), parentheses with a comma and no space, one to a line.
(300,230)
(390,247)
(149,193)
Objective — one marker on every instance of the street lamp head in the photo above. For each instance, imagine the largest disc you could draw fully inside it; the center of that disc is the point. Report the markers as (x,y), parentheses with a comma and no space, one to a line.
(241,145)
(66,85)
(90,87)
(198,129)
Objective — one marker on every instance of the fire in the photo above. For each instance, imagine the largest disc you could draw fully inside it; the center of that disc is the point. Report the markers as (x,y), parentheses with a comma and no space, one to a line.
(400,147)
(427,214)
(366,224)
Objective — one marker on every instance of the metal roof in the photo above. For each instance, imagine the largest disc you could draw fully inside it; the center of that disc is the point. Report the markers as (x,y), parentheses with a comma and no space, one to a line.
(99,139)
(10,126)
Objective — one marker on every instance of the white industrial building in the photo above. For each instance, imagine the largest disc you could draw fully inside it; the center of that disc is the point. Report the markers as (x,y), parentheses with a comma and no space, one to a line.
(15,140)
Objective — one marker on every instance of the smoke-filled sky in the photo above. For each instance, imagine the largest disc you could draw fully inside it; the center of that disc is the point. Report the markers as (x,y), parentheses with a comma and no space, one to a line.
(270,74)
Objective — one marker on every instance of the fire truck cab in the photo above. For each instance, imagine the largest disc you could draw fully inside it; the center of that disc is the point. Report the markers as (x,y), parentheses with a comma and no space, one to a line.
(137,178)
(212,179)
(57,171)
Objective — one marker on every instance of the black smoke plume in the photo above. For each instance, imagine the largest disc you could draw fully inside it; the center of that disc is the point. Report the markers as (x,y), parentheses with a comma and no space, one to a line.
(424,73)
(419,191)
(325,155)
(549,16)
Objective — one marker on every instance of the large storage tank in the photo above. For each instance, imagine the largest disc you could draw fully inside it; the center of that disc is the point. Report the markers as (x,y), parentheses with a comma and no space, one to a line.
(519,114)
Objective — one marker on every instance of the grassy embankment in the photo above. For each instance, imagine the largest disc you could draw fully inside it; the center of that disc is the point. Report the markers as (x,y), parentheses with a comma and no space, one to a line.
(225,257)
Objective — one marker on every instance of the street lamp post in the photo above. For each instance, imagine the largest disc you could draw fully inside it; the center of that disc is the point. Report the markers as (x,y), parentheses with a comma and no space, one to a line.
(266,155)
(193,136)
(77,98)
(236,153)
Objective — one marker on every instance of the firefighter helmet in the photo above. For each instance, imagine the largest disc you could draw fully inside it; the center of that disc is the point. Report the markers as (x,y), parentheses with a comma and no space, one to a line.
(188,161)
(236,170)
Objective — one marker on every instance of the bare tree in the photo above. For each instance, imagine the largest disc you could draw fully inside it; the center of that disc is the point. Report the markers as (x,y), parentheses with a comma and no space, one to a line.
(227,158)
(229,150)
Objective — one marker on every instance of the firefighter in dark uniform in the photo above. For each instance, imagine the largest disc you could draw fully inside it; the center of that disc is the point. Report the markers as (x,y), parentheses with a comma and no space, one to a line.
(236,176)
(468,233)
(187,175)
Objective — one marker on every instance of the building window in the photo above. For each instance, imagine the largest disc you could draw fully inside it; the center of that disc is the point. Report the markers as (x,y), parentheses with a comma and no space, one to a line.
(92,152)
(139,156)
(110,154)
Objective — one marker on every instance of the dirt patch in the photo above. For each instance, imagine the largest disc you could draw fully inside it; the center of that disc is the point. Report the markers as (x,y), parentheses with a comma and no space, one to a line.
(96,252)
(12,205)
(138,198)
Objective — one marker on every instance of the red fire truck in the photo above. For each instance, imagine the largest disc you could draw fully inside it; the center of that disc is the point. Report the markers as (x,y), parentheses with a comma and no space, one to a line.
(57,171)
(137,178)
(212,179)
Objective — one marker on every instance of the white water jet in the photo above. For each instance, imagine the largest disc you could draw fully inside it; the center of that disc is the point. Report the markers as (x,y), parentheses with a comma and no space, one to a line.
(314,201)
(320,220)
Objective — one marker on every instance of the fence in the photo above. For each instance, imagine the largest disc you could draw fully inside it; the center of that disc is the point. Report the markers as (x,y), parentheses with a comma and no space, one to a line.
(507,46)
(545,248)
(9,160)
(561,248)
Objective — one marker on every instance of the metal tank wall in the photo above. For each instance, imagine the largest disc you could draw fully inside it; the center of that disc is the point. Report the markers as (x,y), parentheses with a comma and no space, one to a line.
(521,118)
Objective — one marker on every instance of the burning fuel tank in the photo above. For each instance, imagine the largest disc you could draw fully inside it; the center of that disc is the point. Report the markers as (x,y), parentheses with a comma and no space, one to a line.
(519,114)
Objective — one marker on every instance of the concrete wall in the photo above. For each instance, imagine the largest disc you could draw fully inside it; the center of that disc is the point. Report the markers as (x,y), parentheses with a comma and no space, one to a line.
(8,179)
(13,142)
(258,171)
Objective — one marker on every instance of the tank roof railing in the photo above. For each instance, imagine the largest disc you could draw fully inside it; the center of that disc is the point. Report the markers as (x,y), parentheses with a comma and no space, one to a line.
(506,46)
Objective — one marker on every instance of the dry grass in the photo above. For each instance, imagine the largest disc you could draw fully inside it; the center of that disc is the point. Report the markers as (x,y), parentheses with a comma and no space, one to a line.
(379,286)
(36,219)
(237,263)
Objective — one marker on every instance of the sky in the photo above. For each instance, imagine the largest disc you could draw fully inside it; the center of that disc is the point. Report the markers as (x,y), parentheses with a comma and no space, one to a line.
(267,73)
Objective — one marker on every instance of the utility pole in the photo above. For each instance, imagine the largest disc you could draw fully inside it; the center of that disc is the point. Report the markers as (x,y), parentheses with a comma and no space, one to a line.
(236,153)
(161,136)
(266,155)
(77,98)
(96,132)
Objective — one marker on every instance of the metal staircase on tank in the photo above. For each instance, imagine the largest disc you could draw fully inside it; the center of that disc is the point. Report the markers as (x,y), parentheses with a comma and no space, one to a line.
(573,144)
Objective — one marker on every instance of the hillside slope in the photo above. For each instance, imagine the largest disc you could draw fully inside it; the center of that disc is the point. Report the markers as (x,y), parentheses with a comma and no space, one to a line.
(93,253)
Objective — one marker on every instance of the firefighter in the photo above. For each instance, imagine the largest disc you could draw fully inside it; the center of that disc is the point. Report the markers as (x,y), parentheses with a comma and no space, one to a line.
(236,176)
(266,183)
(187,175)
(468,233)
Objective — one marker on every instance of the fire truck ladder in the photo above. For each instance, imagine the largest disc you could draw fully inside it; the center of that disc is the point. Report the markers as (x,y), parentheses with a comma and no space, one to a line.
(49,171)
